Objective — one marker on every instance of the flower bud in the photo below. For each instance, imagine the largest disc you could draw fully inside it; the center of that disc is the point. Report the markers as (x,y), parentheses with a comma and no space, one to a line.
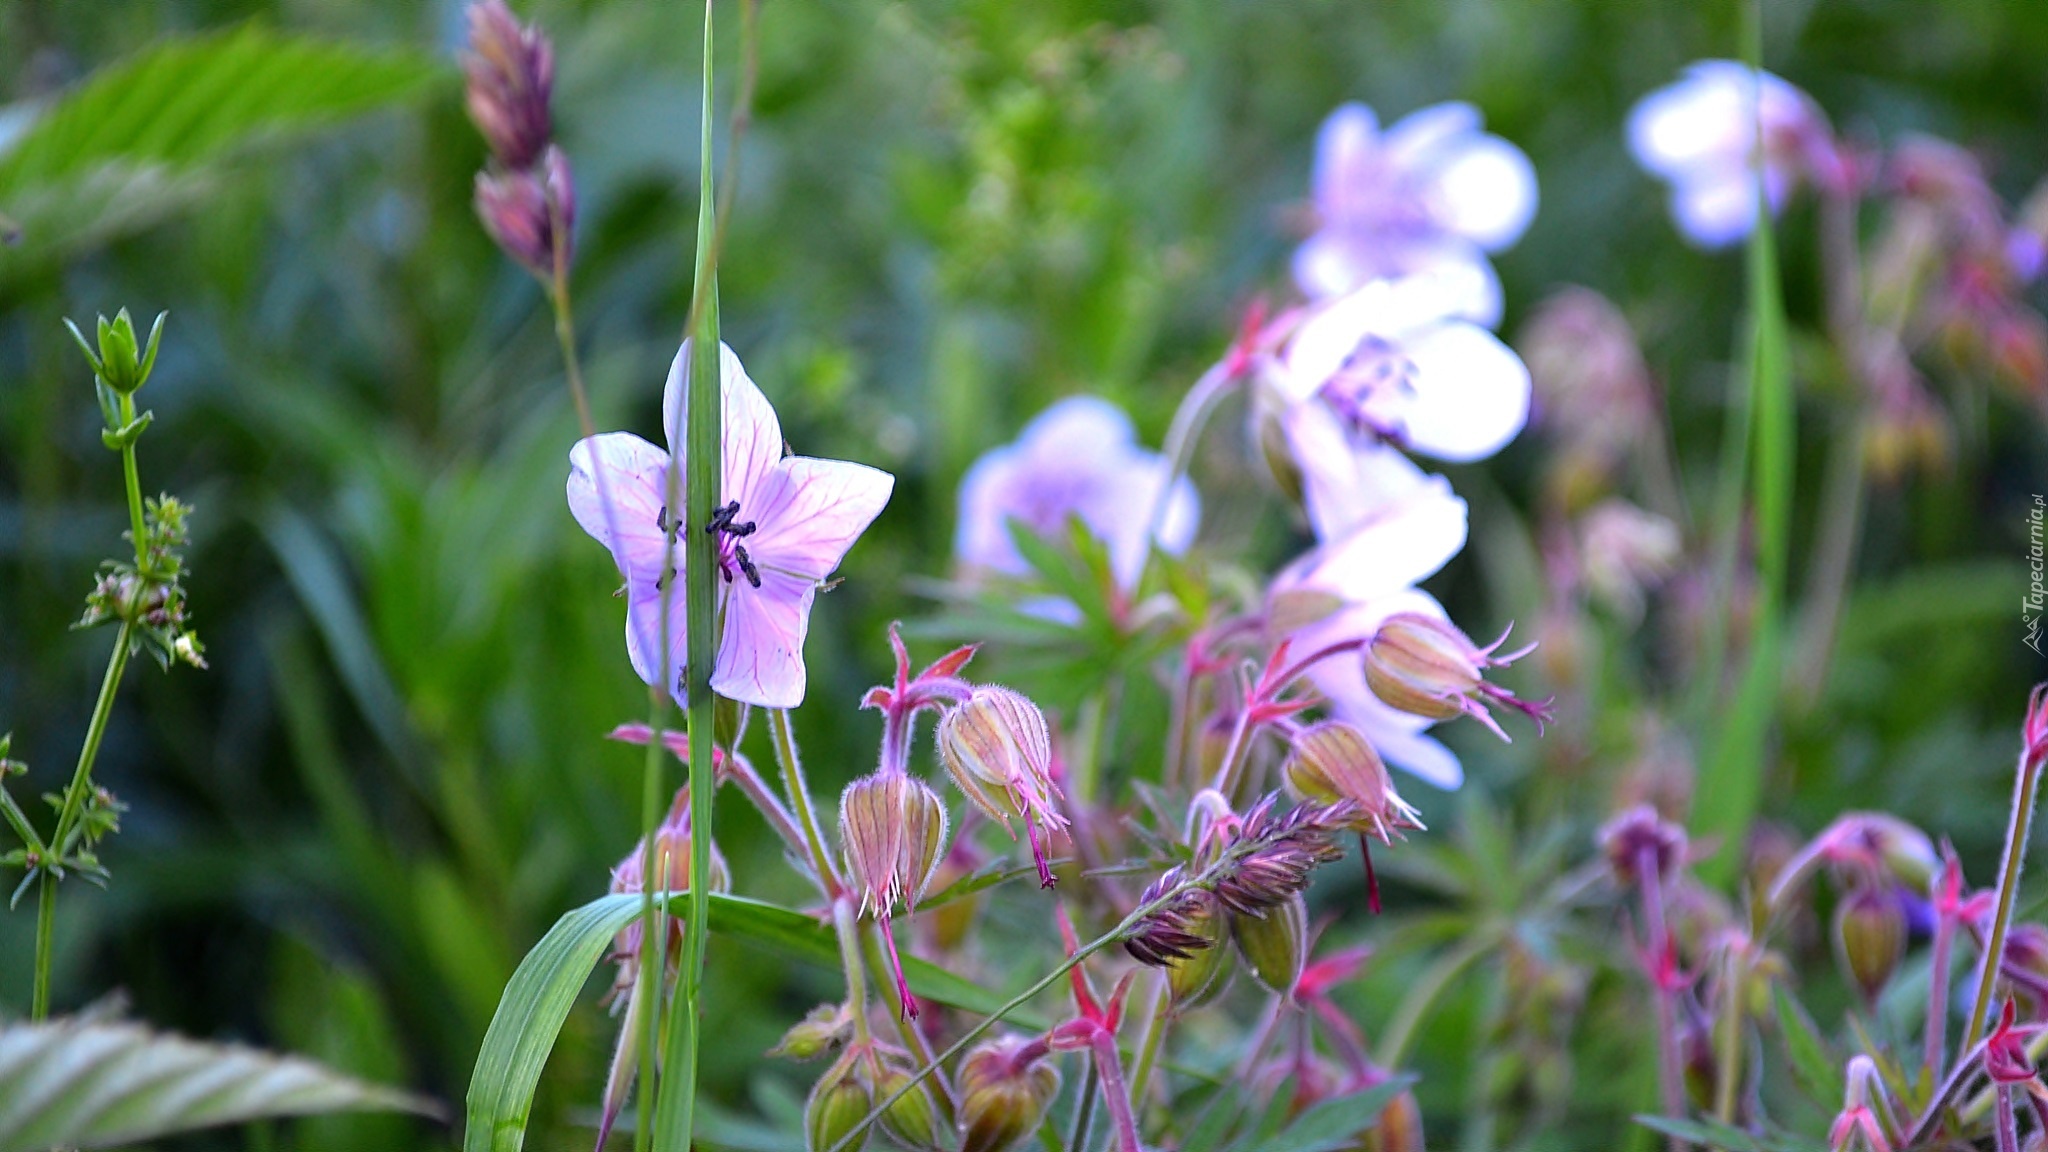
(1332,762)
(1004,1088)
(913,1120)
(1195,978)
(839,1101)
(825,1026)
(1640,839)
(1275,946)
(1870,938)
(119,364)
(1399,1128)
(997,748)
(1427,667)
(892,829)
(511,72)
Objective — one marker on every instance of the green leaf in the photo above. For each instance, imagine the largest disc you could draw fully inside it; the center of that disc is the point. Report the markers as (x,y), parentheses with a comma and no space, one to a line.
(1714,1134)
(142,137)
(1335,1124)
(1818,1073)
(541,992)
(101,1083)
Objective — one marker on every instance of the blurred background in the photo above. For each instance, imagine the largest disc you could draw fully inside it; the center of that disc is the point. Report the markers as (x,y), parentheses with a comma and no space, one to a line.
(344,836)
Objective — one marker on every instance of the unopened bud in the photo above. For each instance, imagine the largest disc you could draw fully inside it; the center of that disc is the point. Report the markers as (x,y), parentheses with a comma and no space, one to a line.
(1870,938)
(913,1119)
(511,71)
(1275,946)
(824,1027)
(1638,840)
(839,1101)
(1399,1128)
(1195,978)
(1331,762)
(892,828)
(120,363)
(1426,667)
(1004,1089)
(997,748)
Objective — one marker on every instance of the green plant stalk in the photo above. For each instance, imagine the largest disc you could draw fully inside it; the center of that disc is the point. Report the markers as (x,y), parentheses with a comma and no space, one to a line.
(1150,1044)
(2027,780)
(1728,1059)
(675,1109)
(1084,1110)
(791,765)
(913,1037)
(850,962)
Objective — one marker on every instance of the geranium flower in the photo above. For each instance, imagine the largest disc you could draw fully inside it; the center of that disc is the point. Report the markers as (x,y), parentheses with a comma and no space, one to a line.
(1393,363)
(1076,458)
(1700,134)
(1400,529)
(786,523)
(1433,192)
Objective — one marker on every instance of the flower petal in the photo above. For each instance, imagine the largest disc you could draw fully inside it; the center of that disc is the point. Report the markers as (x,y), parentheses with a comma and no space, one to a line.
(643,632)
(635,474)
(1419,141)
(751,434)
(1471,393)
(1485,191)
(1396,735)
(808,512)
(1400,542)
(1346,149)
(761,655)
(1717,210)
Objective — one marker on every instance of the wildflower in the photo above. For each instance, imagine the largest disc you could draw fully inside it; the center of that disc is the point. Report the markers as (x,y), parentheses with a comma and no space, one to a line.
(1076,459)
(998,750)
(528,211)
(786,524)
(1641,845)
(1398,362)
(1005,1086)
(1422,664)
(511,73)
(1701,133)
(892,830)
(1399,737)
(1431,192)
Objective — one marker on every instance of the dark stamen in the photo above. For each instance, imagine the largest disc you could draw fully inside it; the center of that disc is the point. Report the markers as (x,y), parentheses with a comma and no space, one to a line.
(721,519)
(747,566)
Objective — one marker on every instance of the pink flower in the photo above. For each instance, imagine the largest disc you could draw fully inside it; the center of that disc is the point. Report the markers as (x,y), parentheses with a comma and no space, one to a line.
(1399,362)
(1700,135)
(1433,192)
(1077,458)
(786,524)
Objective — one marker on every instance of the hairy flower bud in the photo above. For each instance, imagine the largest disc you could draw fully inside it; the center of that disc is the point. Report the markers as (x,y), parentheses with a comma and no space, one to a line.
(1004,1088)
(511,73)
(998,750)
(892,829)
(1639,840)
(1275,946)
(1427,667)
(820,1030)
(1870,938)
(913,1119)
(839,1101)
(1331,762)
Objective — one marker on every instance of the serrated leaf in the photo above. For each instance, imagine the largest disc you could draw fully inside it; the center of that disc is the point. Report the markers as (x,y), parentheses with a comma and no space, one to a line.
(545,986)
(140,139)
(1335,1124)
(102,1083)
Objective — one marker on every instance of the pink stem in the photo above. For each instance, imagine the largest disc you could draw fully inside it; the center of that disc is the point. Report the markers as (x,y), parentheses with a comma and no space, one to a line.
(1110,1071)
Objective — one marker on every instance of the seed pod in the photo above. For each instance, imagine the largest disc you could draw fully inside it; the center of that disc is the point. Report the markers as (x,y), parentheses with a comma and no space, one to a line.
(1275,946)
(1870,937)
(1003,1092)
(1331,762)
(839,1101)
(1197,978)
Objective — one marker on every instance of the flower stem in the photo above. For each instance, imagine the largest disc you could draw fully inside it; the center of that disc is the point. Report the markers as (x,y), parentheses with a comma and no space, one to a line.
(2026,777)
(907,1030)
(2007,1123)
(799,790)
(1188,421)
(1115,1094)
(1935,1036)
(1153,1041)
(850,963)
(1084,1112)
(1728,1060)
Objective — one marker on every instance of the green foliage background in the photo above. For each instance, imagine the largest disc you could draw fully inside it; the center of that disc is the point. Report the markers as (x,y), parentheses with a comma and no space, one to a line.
(344,836)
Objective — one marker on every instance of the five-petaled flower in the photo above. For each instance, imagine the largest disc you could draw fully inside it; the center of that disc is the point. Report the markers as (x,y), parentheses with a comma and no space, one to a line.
(785,523)
(1431,193)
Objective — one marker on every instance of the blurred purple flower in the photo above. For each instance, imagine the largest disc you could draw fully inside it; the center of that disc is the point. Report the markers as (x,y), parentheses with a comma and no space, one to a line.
(1433,192)
(1393,363)
(786,524)
(1077,458)
(1700,135)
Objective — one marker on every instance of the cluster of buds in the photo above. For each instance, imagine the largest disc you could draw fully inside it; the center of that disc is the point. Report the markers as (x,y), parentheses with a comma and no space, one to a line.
(1426,667)
(525,196)
(150,593)
(869,1072)
(1244,884)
